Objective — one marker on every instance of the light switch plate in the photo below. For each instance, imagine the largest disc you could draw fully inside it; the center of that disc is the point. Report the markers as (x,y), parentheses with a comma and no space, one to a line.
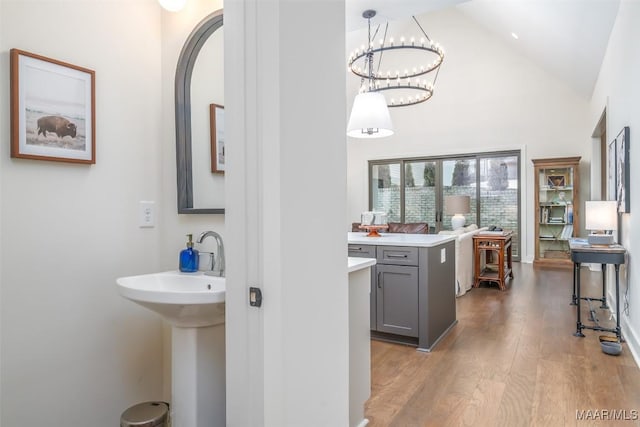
(147,214)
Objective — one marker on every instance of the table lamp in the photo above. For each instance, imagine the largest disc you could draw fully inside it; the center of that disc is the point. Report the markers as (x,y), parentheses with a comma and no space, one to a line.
(457,206)
(601,217)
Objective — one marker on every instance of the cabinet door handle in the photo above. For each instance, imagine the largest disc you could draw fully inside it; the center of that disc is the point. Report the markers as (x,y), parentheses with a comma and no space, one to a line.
(356,249)
(396,256)
(379,280)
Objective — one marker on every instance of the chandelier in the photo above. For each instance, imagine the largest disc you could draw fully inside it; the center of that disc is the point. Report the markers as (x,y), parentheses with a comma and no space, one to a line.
(404,85)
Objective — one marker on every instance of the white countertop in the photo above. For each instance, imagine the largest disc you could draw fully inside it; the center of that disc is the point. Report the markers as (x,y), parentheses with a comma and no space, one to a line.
(400,239)
(356,264)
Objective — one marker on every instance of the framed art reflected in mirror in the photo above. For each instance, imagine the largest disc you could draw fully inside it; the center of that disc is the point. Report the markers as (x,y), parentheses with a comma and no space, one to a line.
(217,138)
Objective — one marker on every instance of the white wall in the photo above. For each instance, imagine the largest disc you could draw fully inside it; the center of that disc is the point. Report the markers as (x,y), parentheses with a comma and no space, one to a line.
(73,351)
(488,97)
(617,90)
(287,174)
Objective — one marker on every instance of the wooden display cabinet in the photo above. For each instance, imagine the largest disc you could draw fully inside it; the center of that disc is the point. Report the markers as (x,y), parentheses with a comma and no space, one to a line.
(557,204)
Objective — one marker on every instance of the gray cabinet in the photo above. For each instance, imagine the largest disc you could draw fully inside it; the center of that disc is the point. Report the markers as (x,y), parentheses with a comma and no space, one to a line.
(412,292)
(397,300)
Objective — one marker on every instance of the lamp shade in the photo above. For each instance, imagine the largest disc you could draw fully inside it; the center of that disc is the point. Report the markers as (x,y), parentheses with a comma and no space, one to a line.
(457,205)
(370,117)
(601,215)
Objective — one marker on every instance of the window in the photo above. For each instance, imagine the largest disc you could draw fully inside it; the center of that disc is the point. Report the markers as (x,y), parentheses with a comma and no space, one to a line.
(385,190)
(500,195)
(413,190)
(419,191)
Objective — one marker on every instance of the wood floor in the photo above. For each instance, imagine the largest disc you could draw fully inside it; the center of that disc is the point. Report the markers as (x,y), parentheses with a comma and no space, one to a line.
(510,361)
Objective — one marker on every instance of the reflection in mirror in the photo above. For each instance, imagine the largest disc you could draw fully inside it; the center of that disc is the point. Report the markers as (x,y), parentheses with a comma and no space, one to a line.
(199,83)
(207,87)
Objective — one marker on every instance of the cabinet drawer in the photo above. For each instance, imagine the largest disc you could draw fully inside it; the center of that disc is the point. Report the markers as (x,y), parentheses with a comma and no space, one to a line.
(398,255)
(362,251)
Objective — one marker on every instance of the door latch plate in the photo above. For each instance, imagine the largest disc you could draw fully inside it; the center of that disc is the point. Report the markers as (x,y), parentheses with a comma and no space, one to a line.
(255,297)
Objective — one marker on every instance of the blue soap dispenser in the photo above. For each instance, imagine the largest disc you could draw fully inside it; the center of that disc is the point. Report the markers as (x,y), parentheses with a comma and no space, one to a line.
(189,257)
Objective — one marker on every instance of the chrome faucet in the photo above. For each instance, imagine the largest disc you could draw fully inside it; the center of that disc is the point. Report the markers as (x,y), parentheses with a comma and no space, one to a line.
(217,266)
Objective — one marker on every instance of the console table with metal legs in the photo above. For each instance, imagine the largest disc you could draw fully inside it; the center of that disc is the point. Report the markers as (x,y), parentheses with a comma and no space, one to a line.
(582,252)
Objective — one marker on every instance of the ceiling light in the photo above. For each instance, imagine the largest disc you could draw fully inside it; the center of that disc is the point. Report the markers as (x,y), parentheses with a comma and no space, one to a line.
(515,36)
(407,84)
(172,5)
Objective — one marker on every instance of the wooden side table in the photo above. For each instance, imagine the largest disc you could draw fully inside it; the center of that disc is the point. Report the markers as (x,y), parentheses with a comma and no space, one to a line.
(498,272)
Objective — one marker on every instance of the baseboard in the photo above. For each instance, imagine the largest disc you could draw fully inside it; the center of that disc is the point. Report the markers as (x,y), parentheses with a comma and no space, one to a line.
(633,343)
(444,334)
(628,333)
(393,338)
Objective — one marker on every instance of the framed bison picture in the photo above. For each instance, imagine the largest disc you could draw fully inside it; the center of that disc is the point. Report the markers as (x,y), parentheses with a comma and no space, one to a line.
(52,109)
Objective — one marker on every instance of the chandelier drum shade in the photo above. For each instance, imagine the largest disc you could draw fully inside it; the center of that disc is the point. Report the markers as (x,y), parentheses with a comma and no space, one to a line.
(407,62)
(370,117)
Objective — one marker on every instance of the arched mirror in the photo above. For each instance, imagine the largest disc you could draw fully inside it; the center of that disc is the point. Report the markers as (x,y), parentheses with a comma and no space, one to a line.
(199,98)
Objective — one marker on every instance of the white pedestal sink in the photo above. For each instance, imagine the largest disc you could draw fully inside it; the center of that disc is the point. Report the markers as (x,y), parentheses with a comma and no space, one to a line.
(194,306)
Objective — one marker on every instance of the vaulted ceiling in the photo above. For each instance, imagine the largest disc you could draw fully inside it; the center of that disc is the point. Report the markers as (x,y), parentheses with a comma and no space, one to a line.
(568,38)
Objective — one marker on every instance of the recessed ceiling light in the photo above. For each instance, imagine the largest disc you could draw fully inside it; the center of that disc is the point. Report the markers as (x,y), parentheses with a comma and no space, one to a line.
(515,36)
